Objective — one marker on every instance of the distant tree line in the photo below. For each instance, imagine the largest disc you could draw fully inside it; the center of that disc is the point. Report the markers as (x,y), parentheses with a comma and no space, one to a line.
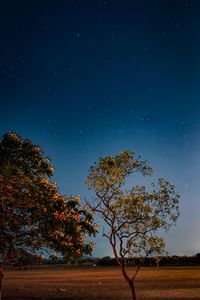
(25,260)
(153,261)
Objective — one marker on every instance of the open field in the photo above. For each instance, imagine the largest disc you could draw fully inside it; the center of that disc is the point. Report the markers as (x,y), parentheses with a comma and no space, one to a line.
(74,283)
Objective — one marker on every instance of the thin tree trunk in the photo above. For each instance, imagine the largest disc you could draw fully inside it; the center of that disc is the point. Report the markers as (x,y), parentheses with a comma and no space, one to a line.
(1,281)
(130,281)
(133,291)
(2,264)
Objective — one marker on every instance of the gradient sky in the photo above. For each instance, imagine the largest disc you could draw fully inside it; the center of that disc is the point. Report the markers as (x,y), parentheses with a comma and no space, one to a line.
(90,78)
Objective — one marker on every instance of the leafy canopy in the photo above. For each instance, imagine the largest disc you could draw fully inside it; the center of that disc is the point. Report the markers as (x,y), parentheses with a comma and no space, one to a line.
(134,216)
(33,215)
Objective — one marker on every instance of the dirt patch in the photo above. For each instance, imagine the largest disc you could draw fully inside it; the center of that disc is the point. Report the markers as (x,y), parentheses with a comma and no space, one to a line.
(100,283)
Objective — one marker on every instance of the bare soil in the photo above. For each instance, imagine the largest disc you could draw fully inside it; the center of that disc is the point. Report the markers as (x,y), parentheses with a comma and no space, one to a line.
(100,283)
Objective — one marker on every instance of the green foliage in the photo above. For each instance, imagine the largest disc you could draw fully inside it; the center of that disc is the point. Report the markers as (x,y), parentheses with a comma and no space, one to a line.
(33,215)
(110,173)
(133,217)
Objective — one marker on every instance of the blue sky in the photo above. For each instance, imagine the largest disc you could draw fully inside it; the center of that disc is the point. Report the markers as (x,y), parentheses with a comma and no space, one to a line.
(84,79)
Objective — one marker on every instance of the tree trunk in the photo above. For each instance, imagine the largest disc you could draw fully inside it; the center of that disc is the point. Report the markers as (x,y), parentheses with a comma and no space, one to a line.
(132,288)
(1,281)
(129,280)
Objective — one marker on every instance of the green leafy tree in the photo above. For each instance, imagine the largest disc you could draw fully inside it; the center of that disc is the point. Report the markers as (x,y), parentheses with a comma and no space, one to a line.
(133,217)
(33,215)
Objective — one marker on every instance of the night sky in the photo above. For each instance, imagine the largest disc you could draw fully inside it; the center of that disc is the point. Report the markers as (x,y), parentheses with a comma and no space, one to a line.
(85,79)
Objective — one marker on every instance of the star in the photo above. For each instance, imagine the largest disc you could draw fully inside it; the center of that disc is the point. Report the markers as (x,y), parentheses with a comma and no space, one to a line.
(146,118)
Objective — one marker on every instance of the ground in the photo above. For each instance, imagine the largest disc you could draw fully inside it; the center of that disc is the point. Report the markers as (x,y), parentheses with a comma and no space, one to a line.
(100,283)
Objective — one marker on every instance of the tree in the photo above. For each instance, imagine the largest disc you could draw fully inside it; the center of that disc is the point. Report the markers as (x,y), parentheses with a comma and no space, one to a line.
(133,217)
(157,260)
(33,215)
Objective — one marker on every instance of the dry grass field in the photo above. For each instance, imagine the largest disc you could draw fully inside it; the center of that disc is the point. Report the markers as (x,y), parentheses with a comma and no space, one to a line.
(81,283)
